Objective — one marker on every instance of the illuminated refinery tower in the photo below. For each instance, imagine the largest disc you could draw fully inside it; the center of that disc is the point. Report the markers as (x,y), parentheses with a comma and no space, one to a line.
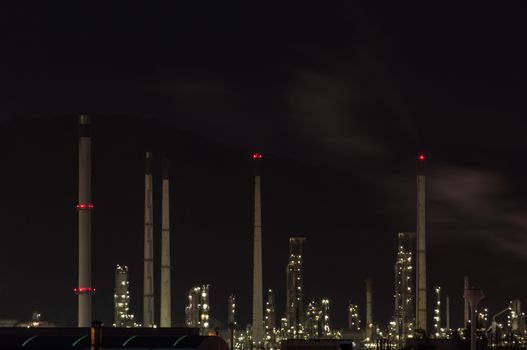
(257,324)
(437,313)
(166,307)
(121,297)
(84,289)
(324,316)
(517,317)
(295,292)
(231,310)
(313,329)
(404,297)
(192,307)
(231,319)
(197,310)
(421,246)
(204,316)
(270,316)
(353,317)
(148,284)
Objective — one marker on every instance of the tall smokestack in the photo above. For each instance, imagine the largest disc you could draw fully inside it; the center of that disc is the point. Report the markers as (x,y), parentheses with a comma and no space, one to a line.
(466,285)
(257,325)
(369,310)
(166,308)
(421,246)
(447,313)
(84,290)
(148,285)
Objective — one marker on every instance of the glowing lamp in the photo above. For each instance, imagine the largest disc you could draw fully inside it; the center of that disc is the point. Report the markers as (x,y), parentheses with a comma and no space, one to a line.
(421,157)
(257,156)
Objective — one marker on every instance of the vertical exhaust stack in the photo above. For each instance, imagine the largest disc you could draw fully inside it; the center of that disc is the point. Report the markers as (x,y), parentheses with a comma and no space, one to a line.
(166,307)
(465,303)
(148,285)
(84,289)
(421,246)
(369,309)
(447,313)
(473,296)
(257,324)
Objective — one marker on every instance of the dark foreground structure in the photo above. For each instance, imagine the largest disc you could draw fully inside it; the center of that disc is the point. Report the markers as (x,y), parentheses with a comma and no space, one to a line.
(316,344)
(108,338)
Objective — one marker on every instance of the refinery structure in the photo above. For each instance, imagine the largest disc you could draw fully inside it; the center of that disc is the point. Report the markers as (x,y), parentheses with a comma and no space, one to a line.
(304,317)
(403,315)
(121,296)
(295,289)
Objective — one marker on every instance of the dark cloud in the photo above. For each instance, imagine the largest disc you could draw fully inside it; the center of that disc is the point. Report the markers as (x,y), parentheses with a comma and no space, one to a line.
(322,110)
(475,205)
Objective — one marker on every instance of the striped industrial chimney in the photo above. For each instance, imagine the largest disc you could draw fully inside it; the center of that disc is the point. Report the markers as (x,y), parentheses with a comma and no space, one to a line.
(166,308)
(257,325)
(148,285)
(420,296)
(84,290)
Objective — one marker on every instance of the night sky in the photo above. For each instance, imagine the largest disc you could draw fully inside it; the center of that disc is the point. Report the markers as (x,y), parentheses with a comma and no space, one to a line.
(340,98)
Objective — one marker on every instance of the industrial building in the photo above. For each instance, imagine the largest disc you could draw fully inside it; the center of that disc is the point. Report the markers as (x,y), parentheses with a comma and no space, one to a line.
(36,321)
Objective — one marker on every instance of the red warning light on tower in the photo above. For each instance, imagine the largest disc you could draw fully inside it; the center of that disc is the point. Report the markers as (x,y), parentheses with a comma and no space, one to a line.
(421,157)
(257,156)
(84,206)
(81,290)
